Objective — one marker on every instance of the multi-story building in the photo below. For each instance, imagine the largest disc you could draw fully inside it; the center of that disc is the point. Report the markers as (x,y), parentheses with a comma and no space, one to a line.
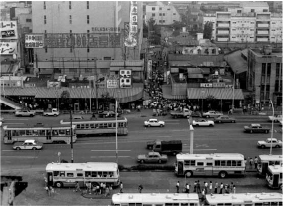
(103,24)
(264,76)
(245,27)
(162,14)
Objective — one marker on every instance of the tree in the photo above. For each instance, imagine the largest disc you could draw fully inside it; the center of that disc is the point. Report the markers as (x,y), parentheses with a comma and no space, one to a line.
(65,96)
(154,36)
(207,32)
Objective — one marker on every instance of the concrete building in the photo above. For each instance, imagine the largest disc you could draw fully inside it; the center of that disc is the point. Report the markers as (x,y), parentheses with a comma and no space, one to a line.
(245,27)
(264,77)
(162,14)
(62,20)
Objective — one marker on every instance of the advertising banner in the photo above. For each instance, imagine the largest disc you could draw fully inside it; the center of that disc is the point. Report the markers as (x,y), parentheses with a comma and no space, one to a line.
(149,69)
(8,30)
(131,35)
(8,48)
(34,40)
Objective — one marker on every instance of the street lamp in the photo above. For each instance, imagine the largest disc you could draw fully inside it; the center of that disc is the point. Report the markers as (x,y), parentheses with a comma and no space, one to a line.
(202,95)
(270,101)
(234,90)
(116,135)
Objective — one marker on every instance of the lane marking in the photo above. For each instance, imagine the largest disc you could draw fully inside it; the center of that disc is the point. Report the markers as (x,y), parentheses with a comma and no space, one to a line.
(108,150)
(29,157)
(16,119)
(12,123)
(8,150)
(109,156)
(172,123)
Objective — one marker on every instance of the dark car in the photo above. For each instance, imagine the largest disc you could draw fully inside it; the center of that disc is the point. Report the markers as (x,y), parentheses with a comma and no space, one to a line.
(224,119)
(107,114)
(256,128)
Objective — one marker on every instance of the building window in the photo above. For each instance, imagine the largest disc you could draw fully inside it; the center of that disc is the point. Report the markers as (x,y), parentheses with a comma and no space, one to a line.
(71,50)
(45,21)
(44,5)
(168,9)
(265,10)
(153,14)
(87,19)
(153,8)
(28,20)
(88,50)
(57,70)
(87,5)
(70,20)
(87,33)
(252,10)
(70,5)
(88,70)
(160,9)
(71,32)
(163,14)
(239,11)
(46,49)
(174,13)
(160,14)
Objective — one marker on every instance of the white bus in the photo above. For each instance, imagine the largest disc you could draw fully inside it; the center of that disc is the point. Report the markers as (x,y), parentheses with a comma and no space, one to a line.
(218,164)
(99,126)
(274,176)
(39,132)
(67,174)
(245,199)
(265,160)
(155,199)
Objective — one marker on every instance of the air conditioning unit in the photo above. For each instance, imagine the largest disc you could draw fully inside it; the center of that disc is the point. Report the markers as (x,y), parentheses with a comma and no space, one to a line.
(125,73)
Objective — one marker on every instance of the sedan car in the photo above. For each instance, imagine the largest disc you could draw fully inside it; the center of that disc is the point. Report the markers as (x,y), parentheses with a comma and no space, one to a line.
(224,119)
(154,123)
(28,144)
(152,157)
(203,122)
(256,128)
(269,142)
(212,114)
(1,121)
(275,118)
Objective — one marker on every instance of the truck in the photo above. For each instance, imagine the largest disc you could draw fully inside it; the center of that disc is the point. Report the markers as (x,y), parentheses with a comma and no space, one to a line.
(51,112)
(185,113)
(165,147)
(24,113)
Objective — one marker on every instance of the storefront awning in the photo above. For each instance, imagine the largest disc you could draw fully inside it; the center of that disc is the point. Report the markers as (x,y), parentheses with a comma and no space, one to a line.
(195,76)
(216,93)
(167,93)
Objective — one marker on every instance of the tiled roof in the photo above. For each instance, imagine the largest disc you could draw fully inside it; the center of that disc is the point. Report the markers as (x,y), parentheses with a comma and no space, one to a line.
(167,93)
(217,93)
(236,61)
(129,63)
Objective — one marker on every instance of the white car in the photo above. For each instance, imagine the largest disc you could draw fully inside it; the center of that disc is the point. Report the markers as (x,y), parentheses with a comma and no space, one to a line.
(1,121)
(28,144)
(212,114)
(203,122)
(267,143)
(154,123)
(275,118)
(281,122)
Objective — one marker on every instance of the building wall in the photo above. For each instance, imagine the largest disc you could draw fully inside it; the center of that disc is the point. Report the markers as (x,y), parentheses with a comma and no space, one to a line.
(263,84)
(249,27)
(162,14)
(71,17)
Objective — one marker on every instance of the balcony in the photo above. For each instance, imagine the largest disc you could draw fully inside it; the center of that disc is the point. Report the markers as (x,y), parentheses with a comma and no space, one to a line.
(223,39)
(223,32)
(262,39)
(223,25)
(259,32)
(262,25)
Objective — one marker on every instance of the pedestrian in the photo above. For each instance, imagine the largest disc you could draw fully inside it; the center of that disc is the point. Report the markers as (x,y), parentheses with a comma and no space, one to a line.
(231,187)
(215,187)
(255,161)
(245,162)
(110,189)
(210,187)
(187,188)
(226,191)
(205,187)
(140,188)
(221,188)
(198,187)
(88,187)
(195,186)
(251,163)
(47,190)
(178,186)
(121,187)
(97,191)
(107,192)
(77,187)
(51,190)
(234,189)
(203,195)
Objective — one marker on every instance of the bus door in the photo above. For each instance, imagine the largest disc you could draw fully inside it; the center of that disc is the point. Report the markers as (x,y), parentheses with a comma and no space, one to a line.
(49,178)
(8,136)
(275,181)
(180,168)
(264,167)
(48,136)
(209,168)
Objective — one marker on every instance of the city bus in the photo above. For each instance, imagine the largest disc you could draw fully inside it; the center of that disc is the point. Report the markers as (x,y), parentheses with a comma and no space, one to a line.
(67,174)
(39,132)
(245,199)
(217,164)
(157,199)
(265,160)
(274,176)
(99,126)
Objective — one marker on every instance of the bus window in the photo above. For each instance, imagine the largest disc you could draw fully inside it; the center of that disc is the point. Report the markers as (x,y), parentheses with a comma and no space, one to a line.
(209,164)
(41,132)
(99,174)
(104,125)
(277,163)
(82,126)
(35,132)
(28,133)
(87,126)
(109,125)
(105,174)
(68,132)
(239,163)
(234,163)
(184,204)
(94,174)
(54,132)
(87,174)
(110,174)
(217,162)
(92,126)
(120,124)
(200,163)
(22,132)
(223,163)
(56,173)
(70,174)
(190,162)
(80,175)
(114,125)
(62,174)
(78,126)
(62,132)
(15,133)
(229,163)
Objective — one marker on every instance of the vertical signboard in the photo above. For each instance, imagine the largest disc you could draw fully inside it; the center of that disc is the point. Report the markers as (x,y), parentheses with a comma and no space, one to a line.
(125,78)
(8,48)
(131,36)
(149,69)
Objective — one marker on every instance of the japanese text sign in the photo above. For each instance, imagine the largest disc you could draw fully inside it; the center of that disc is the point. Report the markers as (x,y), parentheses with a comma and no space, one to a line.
(8,30)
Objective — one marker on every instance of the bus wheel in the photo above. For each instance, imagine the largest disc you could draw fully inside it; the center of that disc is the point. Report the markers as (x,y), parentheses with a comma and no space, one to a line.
(58,184)
(189,174)
(222,174)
